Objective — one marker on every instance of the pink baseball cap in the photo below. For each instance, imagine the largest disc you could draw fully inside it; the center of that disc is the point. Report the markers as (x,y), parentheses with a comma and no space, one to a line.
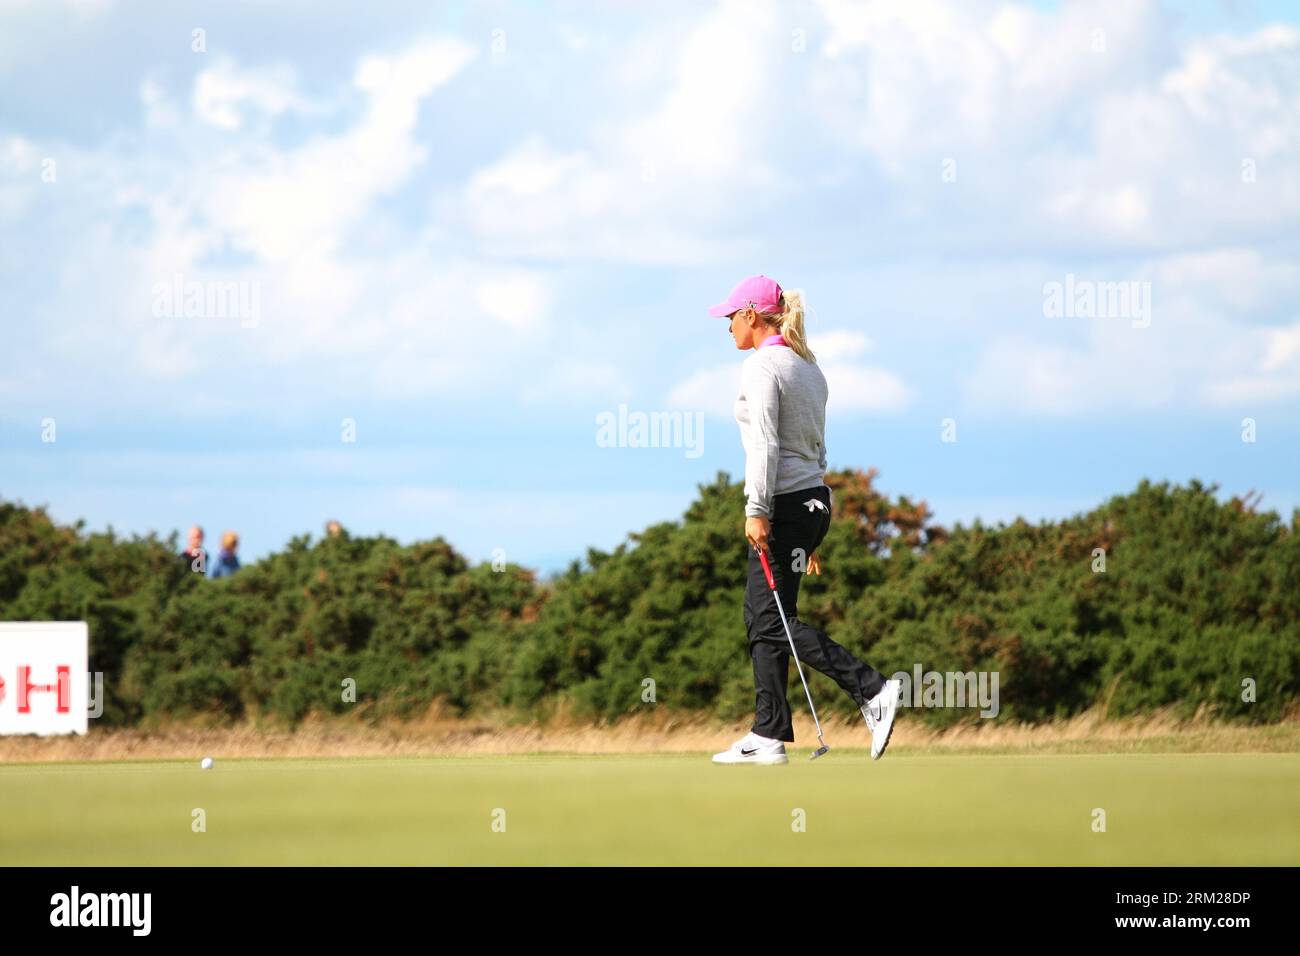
(758,291)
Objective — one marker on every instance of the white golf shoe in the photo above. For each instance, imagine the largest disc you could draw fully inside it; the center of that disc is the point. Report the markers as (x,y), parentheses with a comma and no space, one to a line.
(752,748)
(880,712)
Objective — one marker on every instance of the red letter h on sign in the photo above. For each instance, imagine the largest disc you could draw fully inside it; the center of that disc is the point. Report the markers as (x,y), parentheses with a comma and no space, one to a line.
(25,687)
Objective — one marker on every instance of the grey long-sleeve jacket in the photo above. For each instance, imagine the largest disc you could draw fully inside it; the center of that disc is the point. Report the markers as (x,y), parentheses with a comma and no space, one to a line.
(781,411)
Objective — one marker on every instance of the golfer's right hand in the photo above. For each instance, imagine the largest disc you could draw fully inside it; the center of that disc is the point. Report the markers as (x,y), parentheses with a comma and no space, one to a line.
(757,530)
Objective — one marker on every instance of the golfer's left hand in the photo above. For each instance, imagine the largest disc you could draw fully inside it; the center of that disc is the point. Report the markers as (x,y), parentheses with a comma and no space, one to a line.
(756,531)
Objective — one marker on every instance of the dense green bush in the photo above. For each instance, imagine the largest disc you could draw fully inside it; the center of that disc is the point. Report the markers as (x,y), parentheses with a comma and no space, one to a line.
(1197,595)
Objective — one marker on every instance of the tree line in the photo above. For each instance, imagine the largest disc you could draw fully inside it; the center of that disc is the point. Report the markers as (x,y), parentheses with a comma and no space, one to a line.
(1166,596)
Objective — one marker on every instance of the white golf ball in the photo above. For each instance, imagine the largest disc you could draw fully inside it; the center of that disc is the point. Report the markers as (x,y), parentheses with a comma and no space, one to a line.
(206,763)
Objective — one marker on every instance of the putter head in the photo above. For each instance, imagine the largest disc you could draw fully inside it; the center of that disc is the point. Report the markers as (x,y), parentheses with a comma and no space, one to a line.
(819,751)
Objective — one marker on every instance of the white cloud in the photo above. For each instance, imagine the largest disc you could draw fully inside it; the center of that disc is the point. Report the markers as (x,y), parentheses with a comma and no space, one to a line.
(840,344)
(1219,77)
(568,379)
(1017,374)
(160,111)
(714,115)
(516,299)
(647,188)
(1274,375)
(224,93)
(1061,134)
(344,299)
(19,169)
(19,155)
(994,72)
(409,324)
(83,8)
(1071,123)
(1283,349)
(1250,390)
(574,39)
(853,388)
(712,391)
(1054,143)
(864,389)
(1190,356)
(1239,279)
(278,204)
(533,169)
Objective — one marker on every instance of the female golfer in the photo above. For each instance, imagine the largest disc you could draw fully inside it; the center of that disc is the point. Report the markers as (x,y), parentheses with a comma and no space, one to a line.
(781,411)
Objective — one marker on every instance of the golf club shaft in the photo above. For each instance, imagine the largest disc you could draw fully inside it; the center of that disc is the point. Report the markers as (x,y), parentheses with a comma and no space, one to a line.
(790,637)
(798,666)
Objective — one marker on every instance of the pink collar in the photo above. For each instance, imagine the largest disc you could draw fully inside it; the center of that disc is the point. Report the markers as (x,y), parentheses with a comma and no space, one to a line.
(774,340)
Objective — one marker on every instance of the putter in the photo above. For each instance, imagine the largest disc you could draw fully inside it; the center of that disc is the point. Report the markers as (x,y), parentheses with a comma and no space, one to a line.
(771,583)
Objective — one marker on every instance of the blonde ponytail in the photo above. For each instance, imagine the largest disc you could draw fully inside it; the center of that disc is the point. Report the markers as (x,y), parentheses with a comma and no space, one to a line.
(790,323)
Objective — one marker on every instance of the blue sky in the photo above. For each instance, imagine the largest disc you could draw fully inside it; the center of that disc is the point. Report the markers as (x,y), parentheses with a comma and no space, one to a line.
(470,230)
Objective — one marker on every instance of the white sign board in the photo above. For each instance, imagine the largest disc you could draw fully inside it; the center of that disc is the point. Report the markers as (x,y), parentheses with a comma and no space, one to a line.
(43,677)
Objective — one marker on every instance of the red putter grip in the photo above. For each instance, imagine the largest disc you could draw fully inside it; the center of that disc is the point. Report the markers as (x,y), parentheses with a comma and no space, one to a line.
(767,569)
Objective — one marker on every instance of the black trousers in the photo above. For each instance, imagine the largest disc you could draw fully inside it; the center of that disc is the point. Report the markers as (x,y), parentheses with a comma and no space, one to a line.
(797,529)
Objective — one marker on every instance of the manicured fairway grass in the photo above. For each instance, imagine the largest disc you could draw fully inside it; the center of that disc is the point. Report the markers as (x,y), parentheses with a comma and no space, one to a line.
(1176,809)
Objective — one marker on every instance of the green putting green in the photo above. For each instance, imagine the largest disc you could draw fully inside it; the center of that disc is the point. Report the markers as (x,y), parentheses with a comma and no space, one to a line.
(1174,809)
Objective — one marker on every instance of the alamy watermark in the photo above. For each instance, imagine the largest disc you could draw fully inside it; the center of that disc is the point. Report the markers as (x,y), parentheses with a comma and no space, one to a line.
(126,910)
(950,689)
(1085,299)
(663,429)
(211,299)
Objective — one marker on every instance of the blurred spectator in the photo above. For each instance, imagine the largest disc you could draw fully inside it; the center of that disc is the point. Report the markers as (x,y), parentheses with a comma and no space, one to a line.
(227,562)
(195,551)
(333,529)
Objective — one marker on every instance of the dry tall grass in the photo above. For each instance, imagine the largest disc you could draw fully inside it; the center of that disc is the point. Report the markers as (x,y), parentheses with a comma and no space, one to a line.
(437,733)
